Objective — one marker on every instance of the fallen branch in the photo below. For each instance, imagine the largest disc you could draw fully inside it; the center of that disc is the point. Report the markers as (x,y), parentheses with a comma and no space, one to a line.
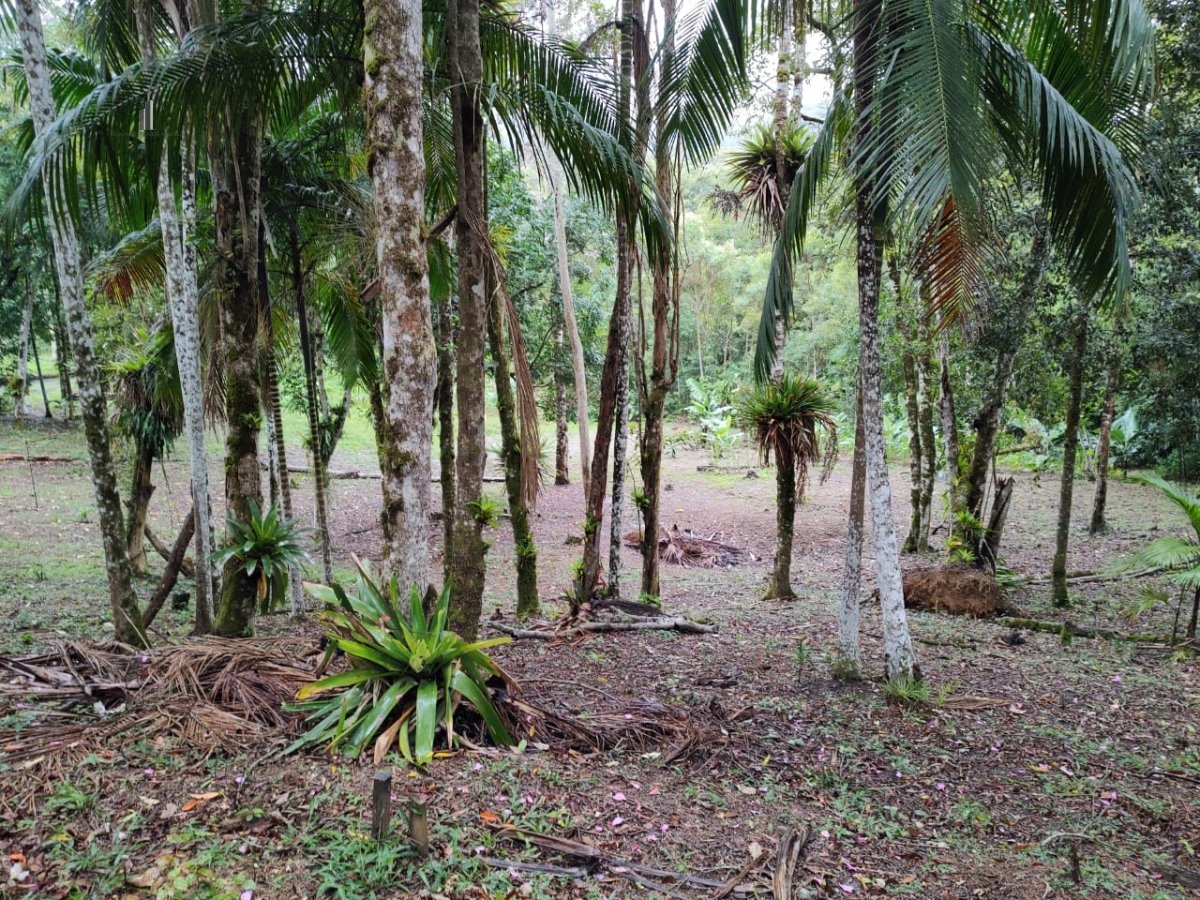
(1081,631)
(664,623)
(187,567)
(171,573)
(790,847)
(22,458)
(540,868)
(1095,577)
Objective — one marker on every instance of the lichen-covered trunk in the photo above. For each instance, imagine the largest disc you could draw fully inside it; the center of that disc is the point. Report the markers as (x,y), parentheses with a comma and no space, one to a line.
(62,354)
(912,412)
(445,413)
(511,452)
(470,549)
(1099,523)
(37,365)
(177,222)
(780,585)
(140,492)
(562,452)
(899,658)
(620,441)
(849,652)
(1066,491)
(392,57)
(127,616)
(235,164)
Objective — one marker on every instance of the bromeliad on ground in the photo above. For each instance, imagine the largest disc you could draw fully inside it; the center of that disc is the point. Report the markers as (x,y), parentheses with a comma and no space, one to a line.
(408,674)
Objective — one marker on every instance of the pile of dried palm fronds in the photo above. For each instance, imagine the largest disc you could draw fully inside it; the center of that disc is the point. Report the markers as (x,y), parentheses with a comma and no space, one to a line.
(210,691)
(683,548)
(641,726)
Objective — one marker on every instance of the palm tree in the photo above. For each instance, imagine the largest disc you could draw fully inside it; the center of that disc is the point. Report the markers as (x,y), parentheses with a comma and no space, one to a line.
(940,93)
(791,418)
(127,616)
(1179,556)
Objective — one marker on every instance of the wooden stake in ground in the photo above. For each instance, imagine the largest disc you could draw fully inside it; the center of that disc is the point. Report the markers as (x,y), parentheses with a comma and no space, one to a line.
(381,805)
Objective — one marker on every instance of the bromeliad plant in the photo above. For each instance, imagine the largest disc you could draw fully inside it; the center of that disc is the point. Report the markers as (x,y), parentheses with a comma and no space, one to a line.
(267,545)
(408,675)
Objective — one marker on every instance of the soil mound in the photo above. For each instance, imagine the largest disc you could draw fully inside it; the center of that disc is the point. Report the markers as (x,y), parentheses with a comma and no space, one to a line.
(955,590)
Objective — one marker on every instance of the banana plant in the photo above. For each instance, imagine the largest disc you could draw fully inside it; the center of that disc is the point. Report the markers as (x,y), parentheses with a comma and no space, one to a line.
(408,674)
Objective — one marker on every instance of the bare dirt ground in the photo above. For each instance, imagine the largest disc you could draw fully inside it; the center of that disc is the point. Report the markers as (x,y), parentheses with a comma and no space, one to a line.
(1039,769)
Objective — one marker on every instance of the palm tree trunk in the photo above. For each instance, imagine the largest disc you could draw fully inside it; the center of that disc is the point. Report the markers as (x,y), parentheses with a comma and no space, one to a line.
(141,490)
(445,414)
(928,443)
(23,350)
(127,616)
(780,585)
(392,48)
(466,68)
(562,452)
(1062,535)
(316,434)
(235,166)
(526,549)
(849,653)
(1099,524)
(183,300)
(948,419)
(912,409)
(899,658)
(620,440)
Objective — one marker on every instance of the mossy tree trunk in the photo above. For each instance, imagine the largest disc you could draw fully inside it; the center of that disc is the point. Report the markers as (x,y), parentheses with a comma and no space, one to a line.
(511,458)
(393,67)
(141,490)
(780,585)
(562,453)
(127,616)
(1099,523)
(470,549)
(849,652)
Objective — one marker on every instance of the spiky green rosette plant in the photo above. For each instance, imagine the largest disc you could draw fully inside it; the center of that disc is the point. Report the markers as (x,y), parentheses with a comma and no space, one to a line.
(267,545)
(408,675)
(787,418)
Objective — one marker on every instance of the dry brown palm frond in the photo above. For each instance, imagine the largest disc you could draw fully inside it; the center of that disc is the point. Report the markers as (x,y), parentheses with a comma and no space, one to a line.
(682,548)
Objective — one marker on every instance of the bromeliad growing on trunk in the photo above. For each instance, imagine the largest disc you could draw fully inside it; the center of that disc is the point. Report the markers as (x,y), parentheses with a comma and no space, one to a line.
(787,418)
(408,674)
(267,546)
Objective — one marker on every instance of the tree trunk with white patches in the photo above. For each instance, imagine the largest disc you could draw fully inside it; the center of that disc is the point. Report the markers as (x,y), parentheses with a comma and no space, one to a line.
(899,657)
(392,55)
(470,549)
(127,616)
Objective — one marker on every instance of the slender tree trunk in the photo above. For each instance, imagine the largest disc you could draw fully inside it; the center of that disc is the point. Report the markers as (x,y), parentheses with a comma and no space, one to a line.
(183,296)
(849,653)
(1062,535)
(127,617)
(799,64)
(928,442)
(392,50)
(1099,525)
(316,434)
(23,350)
(557,187)
(62,354)
(562,452)
(37,365)
(780,585)
(899,658)
(466,68)
(948,418)
(446,445)
(912,409)
(141,490)
(526,549)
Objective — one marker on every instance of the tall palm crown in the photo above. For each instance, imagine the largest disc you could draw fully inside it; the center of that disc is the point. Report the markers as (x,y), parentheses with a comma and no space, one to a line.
(792,419)
(1053,90)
